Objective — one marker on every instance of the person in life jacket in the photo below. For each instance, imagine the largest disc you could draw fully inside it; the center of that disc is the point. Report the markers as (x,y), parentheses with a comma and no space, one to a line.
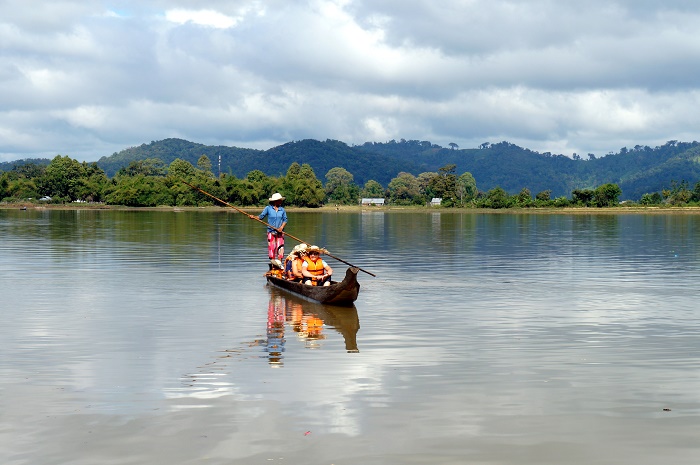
(316,271)
(293,263)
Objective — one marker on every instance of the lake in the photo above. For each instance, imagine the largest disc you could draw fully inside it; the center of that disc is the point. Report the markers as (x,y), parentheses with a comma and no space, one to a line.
(151,337)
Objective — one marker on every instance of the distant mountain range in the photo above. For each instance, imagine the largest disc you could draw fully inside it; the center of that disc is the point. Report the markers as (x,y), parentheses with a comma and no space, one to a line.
(637,171)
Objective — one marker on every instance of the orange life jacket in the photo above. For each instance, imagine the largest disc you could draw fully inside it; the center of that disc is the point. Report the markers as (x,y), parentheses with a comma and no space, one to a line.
(289,265)
(299,262)
(314,267)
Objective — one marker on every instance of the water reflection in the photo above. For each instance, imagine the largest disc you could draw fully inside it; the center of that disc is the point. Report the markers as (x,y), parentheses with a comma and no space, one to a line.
(291,323)
(307,321)
(274,344)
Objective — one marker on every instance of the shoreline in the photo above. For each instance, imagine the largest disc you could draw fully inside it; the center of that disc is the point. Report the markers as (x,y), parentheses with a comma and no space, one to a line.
(691,210)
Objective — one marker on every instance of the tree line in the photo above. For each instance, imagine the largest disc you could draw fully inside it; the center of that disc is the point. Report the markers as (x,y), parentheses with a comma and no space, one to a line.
(151,182)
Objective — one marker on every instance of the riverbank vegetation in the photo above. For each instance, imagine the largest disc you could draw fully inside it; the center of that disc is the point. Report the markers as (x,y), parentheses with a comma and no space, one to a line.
(151,183)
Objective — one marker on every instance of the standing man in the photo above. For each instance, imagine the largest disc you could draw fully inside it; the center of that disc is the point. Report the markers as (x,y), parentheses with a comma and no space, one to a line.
(277,219)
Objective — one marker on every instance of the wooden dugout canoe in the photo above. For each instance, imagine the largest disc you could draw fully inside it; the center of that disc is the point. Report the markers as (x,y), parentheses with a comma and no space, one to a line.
(338,293)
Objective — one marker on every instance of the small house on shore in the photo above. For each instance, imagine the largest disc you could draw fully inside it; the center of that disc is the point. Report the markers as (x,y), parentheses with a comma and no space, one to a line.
(368,201)
(436,201)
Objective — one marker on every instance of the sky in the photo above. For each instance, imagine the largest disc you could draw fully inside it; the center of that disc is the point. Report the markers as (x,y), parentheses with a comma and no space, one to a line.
(87,78)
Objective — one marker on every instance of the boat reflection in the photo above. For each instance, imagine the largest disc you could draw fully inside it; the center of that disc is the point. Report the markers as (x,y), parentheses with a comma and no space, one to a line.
(308,321)
(274,344)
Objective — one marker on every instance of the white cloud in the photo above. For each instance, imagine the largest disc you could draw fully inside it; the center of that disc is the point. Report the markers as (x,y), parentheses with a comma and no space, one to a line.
(90,78)
(201,17)
(89,117)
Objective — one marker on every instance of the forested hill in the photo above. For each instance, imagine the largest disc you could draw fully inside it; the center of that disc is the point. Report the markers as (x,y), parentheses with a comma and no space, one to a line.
(637,171)
(170,149)
(23,164)
(322,156)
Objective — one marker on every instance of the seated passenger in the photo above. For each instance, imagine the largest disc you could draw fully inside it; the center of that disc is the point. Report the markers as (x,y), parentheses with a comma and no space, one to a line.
(293,263)
(316,271)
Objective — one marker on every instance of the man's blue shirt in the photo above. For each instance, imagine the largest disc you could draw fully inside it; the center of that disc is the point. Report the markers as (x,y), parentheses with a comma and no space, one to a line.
(275,218)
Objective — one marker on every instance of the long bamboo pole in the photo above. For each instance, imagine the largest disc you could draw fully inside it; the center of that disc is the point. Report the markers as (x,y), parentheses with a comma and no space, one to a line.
(253,217)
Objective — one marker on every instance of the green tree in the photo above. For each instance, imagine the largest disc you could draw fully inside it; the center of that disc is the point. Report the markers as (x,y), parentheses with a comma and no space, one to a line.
(204,164)
(340,187)
(290,181)
(146,191)
(373,190)
(544,195)
(310,192)
(181,169)
(232,187)
(466,188)
(404,190)
(301,187)
(444,185)
(696,192)
(147,167)
(13,187)
(93,185)
(679,194)
(582,197)
(4,183)
(29,170)
(62,178)
(544,199)
(651,199)
(524,198)
(607,195)
(260,187)
(495,198)
(425,181)
(256,176)
(561,202)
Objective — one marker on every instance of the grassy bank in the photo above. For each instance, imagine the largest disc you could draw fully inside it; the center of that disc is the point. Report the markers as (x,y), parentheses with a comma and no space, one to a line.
(622,209)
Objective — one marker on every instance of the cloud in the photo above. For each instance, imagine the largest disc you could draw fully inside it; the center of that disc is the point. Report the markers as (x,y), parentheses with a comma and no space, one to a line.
(201,17)
(88,78)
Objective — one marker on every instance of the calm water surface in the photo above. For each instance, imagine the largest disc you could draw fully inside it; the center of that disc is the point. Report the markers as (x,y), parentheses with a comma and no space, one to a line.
(151,338)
